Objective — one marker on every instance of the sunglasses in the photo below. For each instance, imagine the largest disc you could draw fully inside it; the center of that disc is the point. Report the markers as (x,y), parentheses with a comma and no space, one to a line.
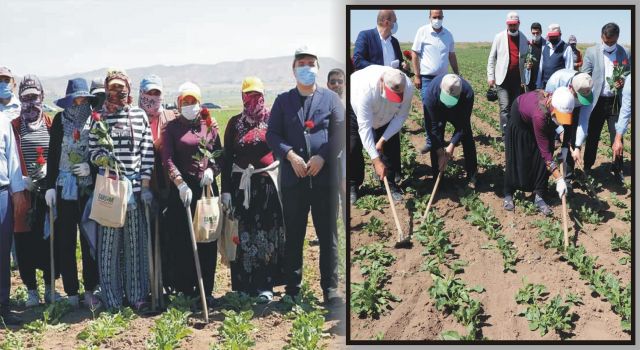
(336,81)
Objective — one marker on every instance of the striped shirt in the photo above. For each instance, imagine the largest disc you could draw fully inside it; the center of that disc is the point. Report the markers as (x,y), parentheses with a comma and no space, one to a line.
(29,141)
(132,144)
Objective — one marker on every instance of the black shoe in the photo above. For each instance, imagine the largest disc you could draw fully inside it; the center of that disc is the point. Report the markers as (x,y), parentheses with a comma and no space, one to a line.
(426,148)
(542,206)
(332,298)
(618,176)
(508,203)
(353,195)
(8,317)
(396,193)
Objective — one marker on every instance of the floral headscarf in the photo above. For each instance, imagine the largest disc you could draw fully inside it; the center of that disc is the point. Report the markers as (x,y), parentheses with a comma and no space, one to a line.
(254,109)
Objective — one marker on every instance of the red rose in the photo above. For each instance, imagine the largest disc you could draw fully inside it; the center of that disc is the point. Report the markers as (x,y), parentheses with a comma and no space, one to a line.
(205,113)
(76,135)
(615,62)
(209,122)
(40,160)
(625,62)
(309,124)
(39,150)
(95,116)
(407,54)
(236,240)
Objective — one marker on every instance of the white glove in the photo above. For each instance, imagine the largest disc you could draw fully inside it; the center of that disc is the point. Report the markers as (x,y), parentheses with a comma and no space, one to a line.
(226,200)
(561,187)
(81,169)
(185,194)
(50,197)
(207,178)
(395,64)
(29,184)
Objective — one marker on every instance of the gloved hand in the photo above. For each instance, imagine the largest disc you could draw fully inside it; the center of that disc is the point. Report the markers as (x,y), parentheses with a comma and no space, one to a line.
(50,197)
(29,184)
(185,194)
(81,169)
(395,64)
(207,178)
(226,200)
(561,187)
(146,195)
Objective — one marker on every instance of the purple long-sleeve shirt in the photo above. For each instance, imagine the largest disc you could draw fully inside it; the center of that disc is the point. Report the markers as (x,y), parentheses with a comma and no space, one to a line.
(180,140)
(534,112)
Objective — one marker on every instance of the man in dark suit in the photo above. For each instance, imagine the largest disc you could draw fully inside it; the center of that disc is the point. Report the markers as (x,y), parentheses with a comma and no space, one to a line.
(377,45)
(304,134)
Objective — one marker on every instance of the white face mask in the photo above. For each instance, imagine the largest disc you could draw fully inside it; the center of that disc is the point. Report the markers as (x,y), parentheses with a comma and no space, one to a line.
(394,29)
(436,23)
(190,112)
(536,37)
(608,48)
(513,33)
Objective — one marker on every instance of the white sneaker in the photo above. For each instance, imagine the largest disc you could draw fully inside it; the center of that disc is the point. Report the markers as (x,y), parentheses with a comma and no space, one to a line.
(91,301)
(33,299)
(47,295)
(74,301)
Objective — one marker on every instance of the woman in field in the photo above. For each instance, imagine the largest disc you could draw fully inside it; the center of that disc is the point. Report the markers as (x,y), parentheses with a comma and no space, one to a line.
(529,144)
(181,138)
(249,186)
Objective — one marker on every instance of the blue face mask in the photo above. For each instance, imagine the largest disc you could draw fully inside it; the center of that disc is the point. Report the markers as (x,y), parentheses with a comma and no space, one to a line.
(306,75)
(5,90)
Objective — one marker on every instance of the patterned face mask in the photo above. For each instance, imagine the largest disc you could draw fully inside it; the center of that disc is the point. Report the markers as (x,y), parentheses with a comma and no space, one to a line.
(117,100)
(150,104)
(31,108)
(254,109)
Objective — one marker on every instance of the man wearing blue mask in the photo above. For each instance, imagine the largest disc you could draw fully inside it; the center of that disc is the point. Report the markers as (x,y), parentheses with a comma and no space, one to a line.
(450,100)
(599,62)
(9,103)
(432,51)
(556,55)
(377,45)
(304,132)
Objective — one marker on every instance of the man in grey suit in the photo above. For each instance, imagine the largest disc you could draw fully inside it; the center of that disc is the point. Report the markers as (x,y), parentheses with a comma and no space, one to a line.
(505,68)
(599,61)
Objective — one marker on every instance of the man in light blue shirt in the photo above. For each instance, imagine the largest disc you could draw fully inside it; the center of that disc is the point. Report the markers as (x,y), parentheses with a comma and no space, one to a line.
(9,103)
(581,85)
(624,118)
(12,194)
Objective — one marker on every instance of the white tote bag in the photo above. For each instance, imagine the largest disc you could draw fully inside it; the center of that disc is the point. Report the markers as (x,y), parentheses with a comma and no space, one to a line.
(110,197)
(207,223)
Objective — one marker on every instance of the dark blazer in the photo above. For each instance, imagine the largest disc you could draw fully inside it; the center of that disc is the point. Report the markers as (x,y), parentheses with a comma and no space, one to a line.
(286,132)
(368,49)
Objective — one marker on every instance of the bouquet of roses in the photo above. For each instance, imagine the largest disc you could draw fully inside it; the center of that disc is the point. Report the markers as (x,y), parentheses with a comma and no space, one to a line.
(620,71)
(101,130)
(204,144)
(407,60)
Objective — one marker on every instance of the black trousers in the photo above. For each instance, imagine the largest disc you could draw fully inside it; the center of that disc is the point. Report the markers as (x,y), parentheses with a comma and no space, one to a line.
(601,112)
(469,149)
(297,201)
(32,249)
(181,263)
(65,241)
(507,93)
(390,156)
(569,140)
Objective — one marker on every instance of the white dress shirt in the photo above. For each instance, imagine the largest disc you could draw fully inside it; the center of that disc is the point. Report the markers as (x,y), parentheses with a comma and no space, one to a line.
(387,50)
(373,110)
(608,71)
(433,48)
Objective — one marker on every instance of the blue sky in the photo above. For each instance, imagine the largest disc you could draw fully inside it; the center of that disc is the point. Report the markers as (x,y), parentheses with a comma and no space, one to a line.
(482,25)
(58,37)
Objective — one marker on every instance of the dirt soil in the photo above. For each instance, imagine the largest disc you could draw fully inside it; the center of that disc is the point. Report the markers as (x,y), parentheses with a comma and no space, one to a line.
(273,329)
(416,318)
